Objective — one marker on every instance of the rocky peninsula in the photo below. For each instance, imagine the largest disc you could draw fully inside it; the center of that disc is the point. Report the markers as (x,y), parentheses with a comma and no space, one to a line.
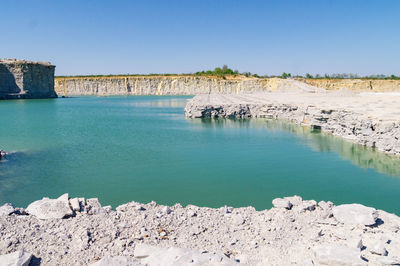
(369,119)
(75,231)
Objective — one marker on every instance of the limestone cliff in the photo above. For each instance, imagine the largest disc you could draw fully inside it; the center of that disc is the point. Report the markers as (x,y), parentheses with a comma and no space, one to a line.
(191,85)
(26,79)
(157,85)
(375,85)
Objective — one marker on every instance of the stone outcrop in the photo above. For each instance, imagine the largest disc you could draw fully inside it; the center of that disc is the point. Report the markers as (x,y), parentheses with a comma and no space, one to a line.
(354,214)
(309,233)
(192,85)
(371,120)
(20,79)
(50,208)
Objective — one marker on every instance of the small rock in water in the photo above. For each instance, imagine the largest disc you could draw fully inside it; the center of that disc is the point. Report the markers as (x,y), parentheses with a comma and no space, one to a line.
(2,154)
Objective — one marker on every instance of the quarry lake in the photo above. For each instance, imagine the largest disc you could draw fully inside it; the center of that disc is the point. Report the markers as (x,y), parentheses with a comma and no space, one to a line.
(143,148)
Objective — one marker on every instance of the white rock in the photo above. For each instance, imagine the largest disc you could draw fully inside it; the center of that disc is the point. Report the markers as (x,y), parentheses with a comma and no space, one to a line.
(166,210)
(237,219)
(325,205)
(75,204)
(94,206)
(308,205)
(282,203)
(6,209)
(379,249)
(50,208)
(295,200)
(17,258)
(107,208)
(191,213)
(143,230)
(144,250)
(64,198)
(116,261)
(389,260)
(333,254)
(354,214)
(139,208)
(82,201)
(150,255)
(355,242)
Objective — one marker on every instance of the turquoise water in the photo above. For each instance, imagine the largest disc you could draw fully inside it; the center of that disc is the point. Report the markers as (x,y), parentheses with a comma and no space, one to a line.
(141,148)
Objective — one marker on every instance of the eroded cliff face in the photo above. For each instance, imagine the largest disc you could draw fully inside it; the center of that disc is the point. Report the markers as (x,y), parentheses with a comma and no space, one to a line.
(156,85)
(191,85)
(375,85)
(26,79)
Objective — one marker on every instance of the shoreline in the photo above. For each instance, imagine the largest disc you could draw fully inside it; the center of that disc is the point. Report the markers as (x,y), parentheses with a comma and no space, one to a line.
(82,232)
(367,119)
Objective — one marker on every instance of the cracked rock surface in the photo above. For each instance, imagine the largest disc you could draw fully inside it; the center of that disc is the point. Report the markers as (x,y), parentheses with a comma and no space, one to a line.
(369,119)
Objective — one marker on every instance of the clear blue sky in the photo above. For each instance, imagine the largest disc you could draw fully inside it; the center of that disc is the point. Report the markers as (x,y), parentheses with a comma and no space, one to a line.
(264,37)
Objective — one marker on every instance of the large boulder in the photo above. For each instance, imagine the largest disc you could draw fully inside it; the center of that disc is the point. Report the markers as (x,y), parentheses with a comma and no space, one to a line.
(355,214)
(282,203)
(116,261)
(6,209)
(333,254)
(50,208)
(17,258)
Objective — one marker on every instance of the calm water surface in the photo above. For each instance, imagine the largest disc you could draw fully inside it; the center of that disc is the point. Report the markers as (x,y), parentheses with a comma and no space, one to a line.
(121,149)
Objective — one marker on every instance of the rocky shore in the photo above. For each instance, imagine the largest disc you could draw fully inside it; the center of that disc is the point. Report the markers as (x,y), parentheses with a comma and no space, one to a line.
(369,119)
(76,231)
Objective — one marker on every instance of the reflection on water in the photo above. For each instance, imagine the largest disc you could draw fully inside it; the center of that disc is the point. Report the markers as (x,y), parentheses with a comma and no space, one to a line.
(361,156)
(168,101)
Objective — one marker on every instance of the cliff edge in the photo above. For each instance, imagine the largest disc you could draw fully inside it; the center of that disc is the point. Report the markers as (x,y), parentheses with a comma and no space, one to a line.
(20,79)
